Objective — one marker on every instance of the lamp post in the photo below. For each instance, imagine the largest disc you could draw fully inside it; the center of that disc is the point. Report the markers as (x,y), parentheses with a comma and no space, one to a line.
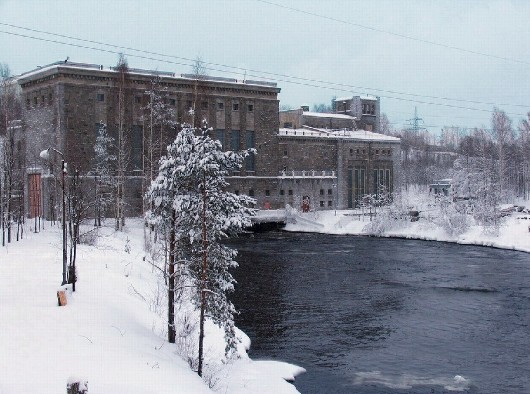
(45,154)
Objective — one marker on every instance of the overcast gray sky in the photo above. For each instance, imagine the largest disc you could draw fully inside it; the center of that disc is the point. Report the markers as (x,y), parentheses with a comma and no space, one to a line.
(358,44)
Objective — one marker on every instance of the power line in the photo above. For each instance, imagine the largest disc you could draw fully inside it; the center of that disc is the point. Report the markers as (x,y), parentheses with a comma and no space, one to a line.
(277,77)
(404,36)
(240,69)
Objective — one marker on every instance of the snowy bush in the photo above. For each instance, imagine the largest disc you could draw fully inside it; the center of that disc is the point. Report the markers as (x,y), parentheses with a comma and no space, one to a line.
(392,217)
(452,218)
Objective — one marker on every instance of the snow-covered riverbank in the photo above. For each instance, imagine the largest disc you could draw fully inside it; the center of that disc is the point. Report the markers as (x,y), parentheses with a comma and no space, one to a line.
(513,233)
(112,331)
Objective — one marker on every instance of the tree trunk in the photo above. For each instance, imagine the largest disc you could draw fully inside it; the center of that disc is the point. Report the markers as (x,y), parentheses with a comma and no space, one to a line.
(203,280)
(171,288)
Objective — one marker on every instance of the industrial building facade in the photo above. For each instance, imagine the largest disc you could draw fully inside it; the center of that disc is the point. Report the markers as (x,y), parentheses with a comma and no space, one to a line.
(64,104)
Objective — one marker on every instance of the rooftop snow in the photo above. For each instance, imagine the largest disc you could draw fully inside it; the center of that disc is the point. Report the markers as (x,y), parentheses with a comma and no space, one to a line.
(50,68)
(361,135)
(327,115)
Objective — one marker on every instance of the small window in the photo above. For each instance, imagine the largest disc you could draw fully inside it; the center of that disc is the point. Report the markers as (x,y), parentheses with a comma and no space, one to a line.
(28,103)
(235,106)
(189,104)
(321,192)
(204,105)
(288,125)
(330,192)
(267,193)
(100,97)
(50,97)
(172,102)
(43,101)
(330,203)
(321,203)
(35,100)
(290,192)
(282,192)
(285,152)
(357,151)
(220,106)
(351,151)
(137,99)
(236,192)
(250,107)
(364,151)
(377,151)
(251,192)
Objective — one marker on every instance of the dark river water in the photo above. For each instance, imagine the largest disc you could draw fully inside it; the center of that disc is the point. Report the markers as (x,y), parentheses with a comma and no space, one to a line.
(371,315)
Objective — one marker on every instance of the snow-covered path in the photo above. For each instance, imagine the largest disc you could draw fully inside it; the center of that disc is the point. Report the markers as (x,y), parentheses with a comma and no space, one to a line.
(106,334)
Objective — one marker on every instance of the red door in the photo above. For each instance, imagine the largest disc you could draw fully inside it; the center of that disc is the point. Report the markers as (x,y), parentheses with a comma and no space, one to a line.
(34,195)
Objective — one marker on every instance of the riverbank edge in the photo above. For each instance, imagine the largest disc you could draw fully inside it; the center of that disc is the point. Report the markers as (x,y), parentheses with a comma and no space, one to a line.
(329,223)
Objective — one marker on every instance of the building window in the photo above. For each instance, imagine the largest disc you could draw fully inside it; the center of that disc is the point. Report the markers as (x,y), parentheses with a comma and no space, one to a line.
(250,160)
(267,193)
(220,106)
(50,97)
(251,192)
(172,102)
(285,153)
(189,104)
(235,106)
(290,192)
(43,101)
(35,100)
(321,203)
(234,140)
(236,192)
(204,105)
(220,136)
(282,192)
(377,151)
(250,107)
(330,192)
(100,97)
(288,125)
(137,99)
(330,203)
(321,192)
(28,103)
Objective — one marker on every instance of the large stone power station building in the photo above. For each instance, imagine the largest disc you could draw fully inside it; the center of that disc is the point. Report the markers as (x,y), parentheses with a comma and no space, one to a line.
(321,161)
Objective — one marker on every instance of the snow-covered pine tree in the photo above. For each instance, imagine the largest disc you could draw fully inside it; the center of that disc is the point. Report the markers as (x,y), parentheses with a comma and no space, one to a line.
(191,186)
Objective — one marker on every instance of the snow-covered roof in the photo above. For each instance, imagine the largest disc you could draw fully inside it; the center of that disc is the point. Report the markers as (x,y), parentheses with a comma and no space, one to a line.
(367,97)
(361,135)
(327,115)
(363,97)
(54,67)
(343,98)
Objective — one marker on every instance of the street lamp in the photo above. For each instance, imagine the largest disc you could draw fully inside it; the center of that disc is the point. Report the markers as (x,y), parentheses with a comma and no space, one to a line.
(45,154)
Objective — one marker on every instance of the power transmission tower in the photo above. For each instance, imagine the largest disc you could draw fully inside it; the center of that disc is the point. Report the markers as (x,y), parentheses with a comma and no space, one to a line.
(415,124)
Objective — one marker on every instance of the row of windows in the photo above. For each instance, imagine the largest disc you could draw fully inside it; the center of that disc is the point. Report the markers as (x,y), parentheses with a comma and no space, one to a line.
(39,100)
(377,151)
(368,109)
(173,102)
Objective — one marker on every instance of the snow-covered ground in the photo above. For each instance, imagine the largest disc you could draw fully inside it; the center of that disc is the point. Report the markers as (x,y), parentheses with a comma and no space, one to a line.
(109,333)
(514,232)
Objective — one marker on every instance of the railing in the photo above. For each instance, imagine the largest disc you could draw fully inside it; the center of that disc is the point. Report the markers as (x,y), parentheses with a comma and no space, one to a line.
(307,174)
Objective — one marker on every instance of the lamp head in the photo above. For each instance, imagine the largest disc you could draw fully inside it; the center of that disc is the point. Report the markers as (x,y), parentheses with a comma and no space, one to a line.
(45,154)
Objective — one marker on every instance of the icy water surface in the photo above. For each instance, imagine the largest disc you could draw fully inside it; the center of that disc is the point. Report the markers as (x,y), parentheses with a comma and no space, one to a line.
(369,315)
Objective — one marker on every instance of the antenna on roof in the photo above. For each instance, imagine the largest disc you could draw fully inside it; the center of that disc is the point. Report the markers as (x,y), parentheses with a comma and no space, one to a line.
(67,58)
